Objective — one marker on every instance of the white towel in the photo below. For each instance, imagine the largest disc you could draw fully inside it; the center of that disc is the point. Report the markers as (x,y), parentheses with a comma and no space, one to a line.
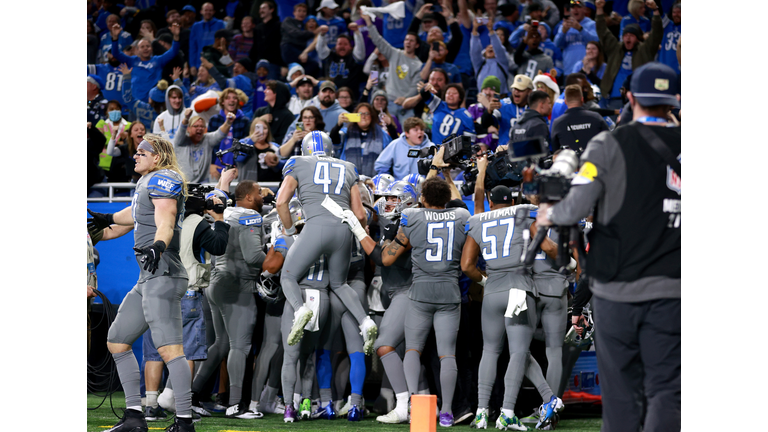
(332,207)
(313,303)
(395,10)
(516,303)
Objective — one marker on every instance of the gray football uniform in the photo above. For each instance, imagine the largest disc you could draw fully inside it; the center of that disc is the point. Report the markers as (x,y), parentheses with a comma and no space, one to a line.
(437,238)
(245,252)
(319,177)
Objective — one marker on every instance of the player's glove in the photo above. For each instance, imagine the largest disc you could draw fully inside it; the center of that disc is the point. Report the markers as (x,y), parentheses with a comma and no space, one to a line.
(350,219)
(101,220)
(151,255)
(389,232)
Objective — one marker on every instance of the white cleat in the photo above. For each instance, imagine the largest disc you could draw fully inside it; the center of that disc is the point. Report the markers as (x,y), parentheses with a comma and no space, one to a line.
(369,331)
(300,319)
(393,417)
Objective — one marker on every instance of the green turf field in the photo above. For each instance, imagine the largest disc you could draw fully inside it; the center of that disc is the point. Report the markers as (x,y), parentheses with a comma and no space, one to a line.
(102,418)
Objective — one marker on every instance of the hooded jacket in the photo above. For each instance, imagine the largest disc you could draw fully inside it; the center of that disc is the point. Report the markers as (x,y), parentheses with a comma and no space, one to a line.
(282,117)
(643,52)
(330,114)
(171,118)
(531,124)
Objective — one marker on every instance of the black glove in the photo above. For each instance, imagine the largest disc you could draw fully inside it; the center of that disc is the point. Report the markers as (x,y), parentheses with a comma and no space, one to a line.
(101,220)
(151,255)
(389,232)
(95,233)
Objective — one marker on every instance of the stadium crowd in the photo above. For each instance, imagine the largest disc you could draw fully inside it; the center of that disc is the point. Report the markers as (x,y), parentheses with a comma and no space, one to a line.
(211,77)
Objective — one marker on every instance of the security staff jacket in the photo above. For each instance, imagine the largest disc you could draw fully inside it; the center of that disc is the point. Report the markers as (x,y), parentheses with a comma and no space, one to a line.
(575,128)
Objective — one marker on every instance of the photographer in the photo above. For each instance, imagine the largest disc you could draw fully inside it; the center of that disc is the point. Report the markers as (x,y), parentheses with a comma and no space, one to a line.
(577,126)
(635,252)
(533,123)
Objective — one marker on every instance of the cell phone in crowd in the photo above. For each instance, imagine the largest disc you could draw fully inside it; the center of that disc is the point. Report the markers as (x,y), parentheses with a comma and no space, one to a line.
(259,128)
(299,126)
(482,20)
(374,75)
(436,46)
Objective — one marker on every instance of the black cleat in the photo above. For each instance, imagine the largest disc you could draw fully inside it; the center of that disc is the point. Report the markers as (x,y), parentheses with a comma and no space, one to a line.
(132,421)
(180,425)
(155,414)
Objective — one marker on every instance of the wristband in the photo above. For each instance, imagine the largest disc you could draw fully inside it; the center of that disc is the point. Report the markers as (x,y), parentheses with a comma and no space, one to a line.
(160,245)
(291,230)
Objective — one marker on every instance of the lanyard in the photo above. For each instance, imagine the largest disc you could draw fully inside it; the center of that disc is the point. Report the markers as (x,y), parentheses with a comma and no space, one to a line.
(649,119)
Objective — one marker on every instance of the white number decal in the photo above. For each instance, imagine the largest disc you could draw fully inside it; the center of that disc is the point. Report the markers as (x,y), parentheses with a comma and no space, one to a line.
(323,176)
(319,266)
(436,255)
(491,253)
(445,126)
(674,220)
(394,23)
(671,41)
(111,78)
(510,223)
(533,67)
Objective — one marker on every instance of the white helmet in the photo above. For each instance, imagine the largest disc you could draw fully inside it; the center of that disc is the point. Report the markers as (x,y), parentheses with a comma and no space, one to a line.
(317,143)
(406,195)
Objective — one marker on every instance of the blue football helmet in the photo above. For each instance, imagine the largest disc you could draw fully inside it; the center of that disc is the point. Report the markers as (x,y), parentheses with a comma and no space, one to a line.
(381,182)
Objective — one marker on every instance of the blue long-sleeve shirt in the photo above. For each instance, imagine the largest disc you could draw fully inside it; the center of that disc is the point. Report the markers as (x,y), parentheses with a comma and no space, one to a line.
(574,42)
(140,110)
(498,67)
(202,34)
(394,158)
(462,60)
(145,74)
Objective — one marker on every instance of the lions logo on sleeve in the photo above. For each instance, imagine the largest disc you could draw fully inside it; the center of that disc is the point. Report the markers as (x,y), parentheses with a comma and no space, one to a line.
(251,220)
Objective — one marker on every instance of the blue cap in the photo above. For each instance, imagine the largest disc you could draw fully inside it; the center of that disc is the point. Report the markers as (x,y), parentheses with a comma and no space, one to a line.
(655,84)
(188,8)
(95,79)
(589,4)
(309,17)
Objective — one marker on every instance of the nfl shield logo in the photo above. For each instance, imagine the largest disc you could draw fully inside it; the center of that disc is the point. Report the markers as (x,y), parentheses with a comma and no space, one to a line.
(673,180)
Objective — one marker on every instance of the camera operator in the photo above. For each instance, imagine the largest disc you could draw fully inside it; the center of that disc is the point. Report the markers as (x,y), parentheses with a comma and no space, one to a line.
(577,125)
(634,258)
(533,123)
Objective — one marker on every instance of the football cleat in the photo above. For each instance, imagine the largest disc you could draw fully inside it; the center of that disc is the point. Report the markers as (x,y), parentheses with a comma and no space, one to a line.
(155,414)
(180,426)
(355,414)
(506,423)
(548,410)
(290,414)
(393,417)
(533,418)
(305,409)
(197,406)
(132,421)
(236,411)
(446,419)
(300,319)
(369,331)
(481,419)
(325,412)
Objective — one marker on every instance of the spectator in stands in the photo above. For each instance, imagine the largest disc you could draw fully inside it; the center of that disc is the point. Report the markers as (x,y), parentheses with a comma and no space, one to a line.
(577,126)
(217,53)
(276,112)
(360,142)
(369,46)
(267,39)
(403,72)
(105,46)
(438,80)
(173,16)
(394,159)
(346,99)
(448,115)
(194,147)
(309,120)
(504,37)
(95,145)
(547,82)
(93,44)
(380,102)
(149,67)
(593,64)
(484,60)
(203,34)
(304,92)
(486,124)
(188,17)
(341,64)
(125,161)
(395,30)
(295,34)
(262,165)
(512,110)
(229,104)
(203,83)
(241,44)
(326,102)
(111,77)
(109,127)
(625,56)
(637,16)
(327,17)
(510,16)
(529,56)
(668,51)
(170,119)
(573,34)
(546,45)
(533,123)
(145,112)
(437,59)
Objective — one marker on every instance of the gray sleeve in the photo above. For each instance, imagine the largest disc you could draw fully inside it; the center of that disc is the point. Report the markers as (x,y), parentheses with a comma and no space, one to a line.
(577,204)
(180,139)
(250,245)
(212,139)
(358,52)
(384,47)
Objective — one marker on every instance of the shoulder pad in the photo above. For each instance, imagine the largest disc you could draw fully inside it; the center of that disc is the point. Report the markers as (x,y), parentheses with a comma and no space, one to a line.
(289,166)
(164,184)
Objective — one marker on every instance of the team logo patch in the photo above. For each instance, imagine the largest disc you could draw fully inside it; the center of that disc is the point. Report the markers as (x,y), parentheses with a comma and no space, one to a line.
(673,180)
(661,84)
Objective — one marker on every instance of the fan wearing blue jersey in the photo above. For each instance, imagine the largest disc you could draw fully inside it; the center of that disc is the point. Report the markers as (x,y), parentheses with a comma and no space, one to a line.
(668,51)
(113,79)
(327,17)
(396,29)
(448,117)
(512,110)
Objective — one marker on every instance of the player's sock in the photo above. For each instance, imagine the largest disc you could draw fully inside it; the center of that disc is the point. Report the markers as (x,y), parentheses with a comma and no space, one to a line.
(128,370)
(448,374)
(394,368)
(402,402)
(324,375)
(534,374)
(356,376)
(180,375)
(411,366)
(152,399)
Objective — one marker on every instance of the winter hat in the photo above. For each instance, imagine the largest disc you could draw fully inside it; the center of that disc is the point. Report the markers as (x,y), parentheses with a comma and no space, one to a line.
(293,68)
(635,30)
(165,37)
(378,93)
(548,79)
(493,82)
(246,63)
(96,80)
(157,94)
(546,26)
(262,63)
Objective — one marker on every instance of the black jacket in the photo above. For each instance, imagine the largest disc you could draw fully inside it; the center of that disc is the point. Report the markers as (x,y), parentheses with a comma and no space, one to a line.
(575,128)
(282,117)
(531,124)
(266,43)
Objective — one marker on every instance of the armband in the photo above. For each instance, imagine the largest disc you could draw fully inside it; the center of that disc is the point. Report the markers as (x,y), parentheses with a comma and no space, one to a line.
(376,255)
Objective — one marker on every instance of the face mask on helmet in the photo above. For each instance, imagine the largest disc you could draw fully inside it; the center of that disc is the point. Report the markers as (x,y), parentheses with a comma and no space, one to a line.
(269,289)
(405,195)
(317,143)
